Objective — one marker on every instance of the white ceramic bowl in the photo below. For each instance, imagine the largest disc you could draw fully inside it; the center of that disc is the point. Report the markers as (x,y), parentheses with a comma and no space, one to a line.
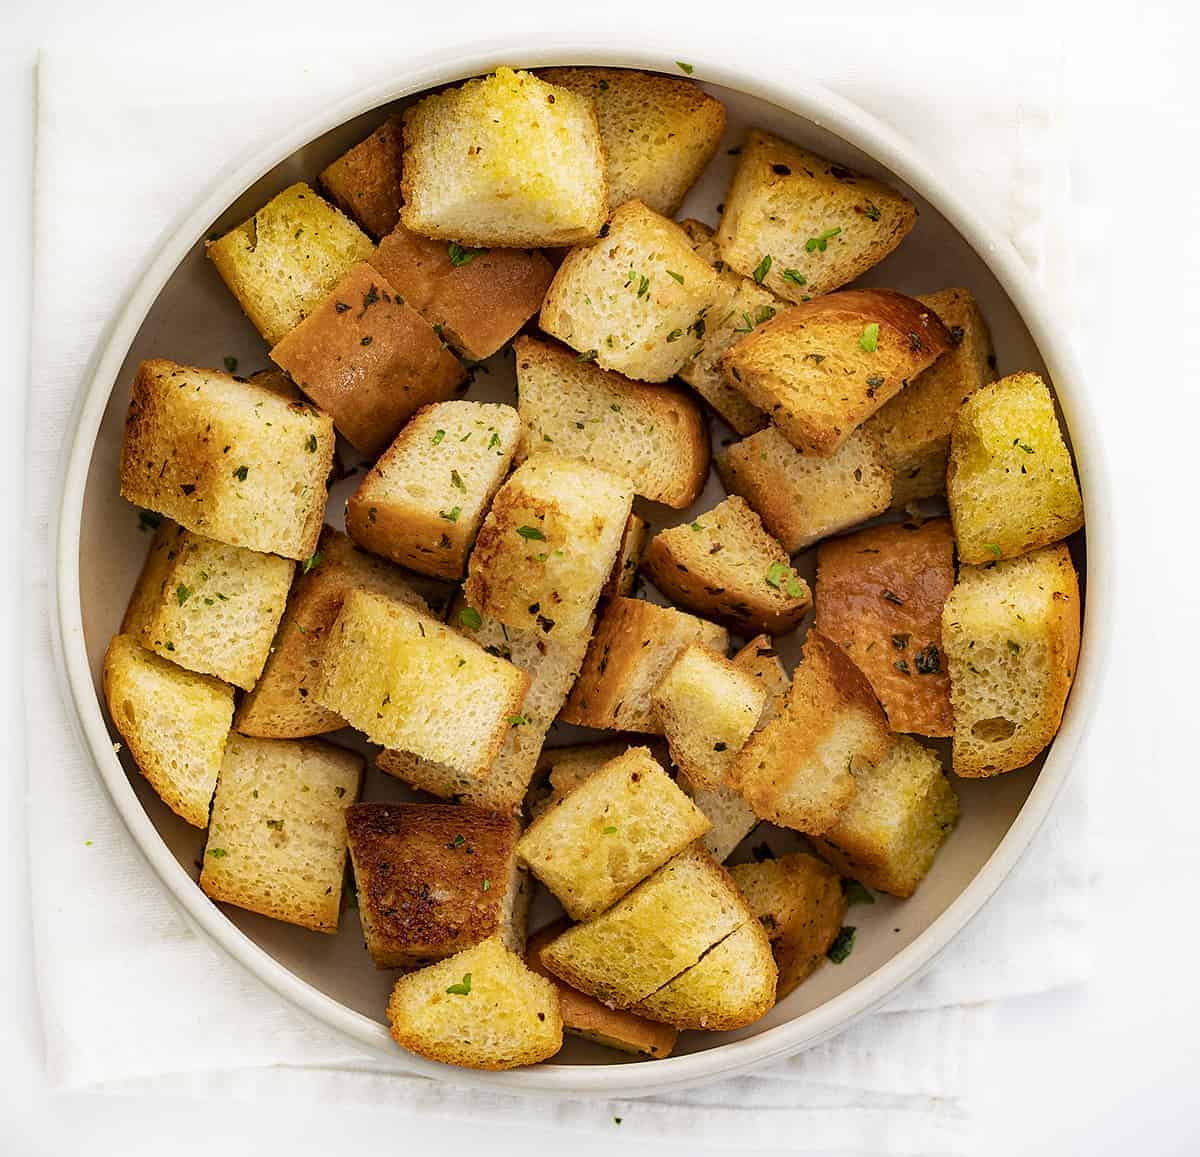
(180,310)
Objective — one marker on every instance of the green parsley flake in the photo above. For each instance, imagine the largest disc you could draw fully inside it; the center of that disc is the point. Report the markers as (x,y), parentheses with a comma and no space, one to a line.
(487,885)
(456,480)
(587,356)
(697,526)
(312,562)
(470,618)
(216,853)
(994,549)
(531,532)
(311,444)
(276,825)
(460,256)
(856,893)
(610,830)
(762,269)
(463,988)
(821,241)
(452,514)
(438,436)
(795,276)
(678,276)
(685,67)
(778,573)
(518,720)
(843,945)
(869,341)
(241,472)
(493,441)
(182,594)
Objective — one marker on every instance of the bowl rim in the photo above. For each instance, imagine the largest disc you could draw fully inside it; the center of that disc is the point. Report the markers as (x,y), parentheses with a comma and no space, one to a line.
(802,97)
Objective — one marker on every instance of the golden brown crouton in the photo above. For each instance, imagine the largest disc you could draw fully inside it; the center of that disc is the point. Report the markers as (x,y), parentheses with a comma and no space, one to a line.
(364,182)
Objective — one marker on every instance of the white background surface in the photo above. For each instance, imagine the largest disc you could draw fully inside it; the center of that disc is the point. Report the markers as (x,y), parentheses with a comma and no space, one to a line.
(1108,1068)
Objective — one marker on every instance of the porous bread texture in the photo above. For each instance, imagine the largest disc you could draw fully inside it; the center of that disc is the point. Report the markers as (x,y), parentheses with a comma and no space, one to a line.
(914,427)
(879,596)
(433,879)
(725,566)
(798,770)
(822,368)
(368,359)
(802,498)
(800,904)
(209,607)
(282,261)
(814,224)
(422,503)
(1010,483)
(623,822)
(282,704)
(505,160)
(636,300)
(480,1009)
(277,837)
(364,182)
(623,576)
(655,436)
(226,458)
(707,708)
(760,659)
(409,682)
(560,770)
(903,811)
(1010,633)
(634,644)
(732,818)
(548,545)
(658,132)
(664,926)
(174,723)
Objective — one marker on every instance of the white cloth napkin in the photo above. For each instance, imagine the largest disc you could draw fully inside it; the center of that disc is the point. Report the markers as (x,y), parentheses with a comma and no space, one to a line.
(131,996)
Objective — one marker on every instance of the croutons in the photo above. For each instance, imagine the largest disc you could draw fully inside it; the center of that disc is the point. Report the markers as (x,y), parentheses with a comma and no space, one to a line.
(900,815)
(800,497)
(1010,634)
(504,160)
(434,879)
(282,704)
(636,301)
(726,567)
(760,659)
(797,771)
(879,596)
(658,132)
(209,607)
(226,458)
(560,770)
(1010,482)
(803,225)
(476,299)
(732,818)
(623,577)
(610,833)
(548,545)
(653,435)
(422,503)
(277,838)
(800,904)
(707,708)
(285,259)
(914,427)
(409,682)
(634,644)
(368,359)
(173,722)
(364,182)
(481,1009)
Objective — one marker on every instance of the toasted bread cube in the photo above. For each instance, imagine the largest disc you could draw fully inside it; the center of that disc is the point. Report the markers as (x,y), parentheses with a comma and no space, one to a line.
(505,160)
(800,904)
(732,818)
(277,838)
(560,770)
(283,704)
(823,368)
(610,833)
(209,607)
(798,770)
(476,299)
(914,427)
(800,497)
(759,659)
(880,594)
(548,545)
(813,224)
(434,879)
(1010,483)
(725,566)
(407,681)
(1010,635)
(651,935)
(623,576)
(903,811)
(368,359)
(658,132)
(364,182)
(422,503)
(634,645)
(636,301)
(174,723)
(653,435)
(284,260)
(226,458)
(730,986)
(708,708)
(584,1016)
